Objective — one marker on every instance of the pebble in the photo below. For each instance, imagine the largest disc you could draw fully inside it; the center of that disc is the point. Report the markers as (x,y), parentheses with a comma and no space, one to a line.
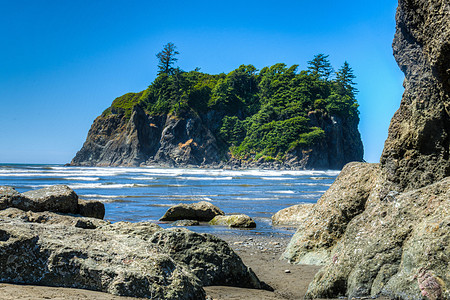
(287,271)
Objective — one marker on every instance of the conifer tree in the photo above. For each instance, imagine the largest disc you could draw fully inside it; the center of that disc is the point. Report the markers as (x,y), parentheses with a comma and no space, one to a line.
(321,65)
(167,58)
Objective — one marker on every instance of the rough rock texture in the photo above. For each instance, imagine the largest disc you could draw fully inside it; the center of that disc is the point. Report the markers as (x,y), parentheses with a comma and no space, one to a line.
(56,198)
(234,221)
(416,152)
(92,209)
(190,140)
(385,230)
(128,259)
(114,140)
(327,221)
(342,144)
(293,215)
(200,211)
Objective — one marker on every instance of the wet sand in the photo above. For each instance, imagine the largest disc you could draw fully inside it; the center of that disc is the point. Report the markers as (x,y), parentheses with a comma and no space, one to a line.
(261,253)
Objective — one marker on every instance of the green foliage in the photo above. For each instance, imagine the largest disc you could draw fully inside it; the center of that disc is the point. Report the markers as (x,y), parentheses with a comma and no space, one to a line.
(265,113)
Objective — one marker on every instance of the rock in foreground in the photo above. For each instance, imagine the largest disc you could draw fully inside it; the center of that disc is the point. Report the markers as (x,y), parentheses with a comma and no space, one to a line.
(385,229)
(200,211)
(56,198)
(140,260)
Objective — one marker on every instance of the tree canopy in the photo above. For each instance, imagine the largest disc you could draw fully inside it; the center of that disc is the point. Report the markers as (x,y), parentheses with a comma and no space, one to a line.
(263,113)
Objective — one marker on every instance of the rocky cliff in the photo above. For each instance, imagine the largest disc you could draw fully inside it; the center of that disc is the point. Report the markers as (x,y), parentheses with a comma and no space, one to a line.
(384,229)
(191,139)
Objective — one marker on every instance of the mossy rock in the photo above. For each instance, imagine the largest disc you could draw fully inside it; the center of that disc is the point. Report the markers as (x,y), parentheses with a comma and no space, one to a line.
(234,221)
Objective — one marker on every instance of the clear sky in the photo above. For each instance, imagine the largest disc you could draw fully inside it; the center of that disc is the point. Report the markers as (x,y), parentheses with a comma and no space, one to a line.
(63,62)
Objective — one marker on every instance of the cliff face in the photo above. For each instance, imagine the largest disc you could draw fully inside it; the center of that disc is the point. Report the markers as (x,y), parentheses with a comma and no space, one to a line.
(384,229)
(115,140)
(416,152)
(142,139)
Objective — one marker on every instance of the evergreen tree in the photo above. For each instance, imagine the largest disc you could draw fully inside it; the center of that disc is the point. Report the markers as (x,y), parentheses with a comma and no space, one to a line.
(321,65)
(344,79)
(167,58)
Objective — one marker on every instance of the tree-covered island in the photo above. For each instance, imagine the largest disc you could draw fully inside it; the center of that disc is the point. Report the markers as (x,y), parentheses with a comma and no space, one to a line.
(276,114)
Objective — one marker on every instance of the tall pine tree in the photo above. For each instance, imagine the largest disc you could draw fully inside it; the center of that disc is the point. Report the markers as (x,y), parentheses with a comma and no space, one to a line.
(167,58)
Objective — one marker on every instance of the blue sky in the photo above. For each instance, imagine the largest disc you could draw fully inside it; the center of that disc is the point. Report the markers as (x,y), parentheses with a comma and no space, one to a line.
(63,62)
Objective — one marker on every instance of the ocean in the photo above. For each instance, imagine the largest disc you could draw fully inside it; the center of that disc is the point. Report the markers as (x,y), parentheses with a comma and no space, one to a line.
(144,194)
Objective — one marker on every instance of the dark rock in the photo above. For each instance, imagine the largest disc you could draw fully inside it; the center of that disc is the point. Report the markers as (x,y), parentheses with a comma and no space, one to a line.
(200,211)
(51,218)
(234,221)
(417,150)
(9,195)
(92,209)
(208,257)
(127,259)
(190,140)
(56,198)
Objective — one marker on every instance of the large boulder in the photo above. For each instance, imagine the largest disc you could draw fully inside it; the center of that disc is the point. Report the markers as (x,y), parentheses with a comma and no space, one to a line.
(328,220)
(200,211)
(56,198)
(128,259)
(234,221)
(293,215)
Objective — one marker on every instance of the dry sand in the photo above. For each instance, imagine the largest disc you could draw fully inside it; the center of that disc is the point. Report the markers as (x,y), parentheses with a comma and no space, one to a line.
(261,253)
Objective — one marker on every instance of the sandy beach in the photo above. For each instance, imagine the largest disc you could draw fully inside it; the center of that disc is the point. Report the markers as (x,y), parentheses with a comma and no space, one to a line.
(261,253)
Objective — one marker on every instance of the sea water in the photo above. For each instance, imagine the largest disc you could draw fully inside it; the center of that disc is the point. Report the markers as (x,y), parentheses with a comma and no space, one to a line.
(144,194)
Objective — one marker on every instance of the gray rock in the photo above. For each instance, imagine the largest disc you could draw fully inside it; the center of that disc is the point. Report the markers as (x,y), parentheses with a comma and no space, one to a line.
(416,152)
(56,198)
(234,221)
(51,218)
(90,208)
(208,257)
(139,260)
(293,215)
(200,211)
(8,195)
(328,220)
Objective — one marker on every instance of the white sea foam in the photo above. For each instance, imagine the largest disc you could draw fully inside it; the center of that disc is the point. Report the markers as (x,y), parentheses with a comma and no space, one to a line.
(142,178)
(281,192)
(204,178)
(104,186)
(82,178)
(278,178)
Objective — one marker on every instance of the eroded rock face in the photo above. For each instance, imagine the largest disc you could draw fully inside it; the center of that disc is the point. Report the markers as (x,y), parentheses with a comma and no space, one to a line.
(127,259)
(328,220)
(388,233)
(114,140)
(416,152)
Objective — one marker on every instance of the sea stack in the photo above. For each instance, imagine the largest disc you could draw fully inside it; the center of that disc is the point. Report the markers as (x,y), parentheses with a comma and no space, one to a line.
(385,229)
